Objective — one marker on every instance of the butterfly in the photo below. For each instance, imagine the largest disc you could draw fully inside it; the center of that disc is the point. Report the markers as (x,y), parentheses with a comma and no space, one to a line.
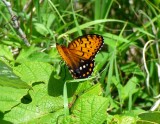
(80,53)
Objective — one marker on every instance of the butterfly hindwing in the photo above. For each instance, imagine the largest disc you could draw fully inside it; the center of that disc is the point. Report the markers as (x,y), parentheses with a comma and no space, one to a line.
(84,70)
(80,53)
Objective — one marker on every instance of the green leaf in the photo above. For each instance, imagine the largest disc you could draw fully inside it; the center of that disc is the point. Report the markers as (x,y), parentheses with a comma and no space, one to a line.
(94,90)
(81,87)
(89,110)
(8,78)
(33,54)
(34,71)
(10,97)
(40,57)
(40,28)
(123,119)
(42,107)
(130,87)
(25,53)
(128,90)
(50,118)
(150,117)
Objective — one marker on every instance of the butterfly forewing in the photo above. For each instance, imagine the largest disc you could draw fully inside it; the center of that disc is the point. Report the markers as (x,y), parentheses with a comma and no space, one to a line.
(68,57)
(80,53)
(87,45)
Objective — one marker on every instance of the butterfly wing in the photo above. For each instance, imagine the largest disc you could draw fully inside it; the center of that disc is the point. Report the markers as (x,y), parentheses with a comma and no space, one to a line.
(79,68)
(71,60)
(86,46)
(80,54)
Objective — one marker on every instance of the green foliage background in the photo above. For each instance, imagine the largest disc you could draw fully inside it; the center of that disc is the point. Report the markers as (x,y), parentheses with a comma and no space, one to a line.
(36,86)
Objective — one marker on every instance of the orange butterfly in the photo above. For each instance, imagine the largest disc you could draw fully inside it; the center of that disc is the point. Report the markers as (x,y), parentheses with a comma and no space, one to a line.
(80,53)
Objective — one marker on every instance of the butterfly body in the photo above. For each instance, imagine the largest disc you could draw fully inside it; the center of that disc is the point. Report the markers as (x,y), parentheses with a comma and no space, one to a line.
(80,53)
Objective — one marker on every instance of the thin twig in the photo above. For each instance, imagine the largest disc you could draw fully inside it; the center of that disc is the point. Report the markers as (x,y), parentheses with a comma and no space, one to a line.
(15,23)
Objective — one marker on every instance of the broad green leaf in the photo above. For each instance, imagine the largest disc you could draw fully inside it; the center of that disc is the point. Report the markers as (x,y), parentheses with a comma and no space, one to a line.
(42,105)
(123,119)
(33,54)
(94,90)
(82,87)
(40,57)
(89,110)
(150,117)
(8,78)
(25,53)
(50,118)
(10,97)
(34,71)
